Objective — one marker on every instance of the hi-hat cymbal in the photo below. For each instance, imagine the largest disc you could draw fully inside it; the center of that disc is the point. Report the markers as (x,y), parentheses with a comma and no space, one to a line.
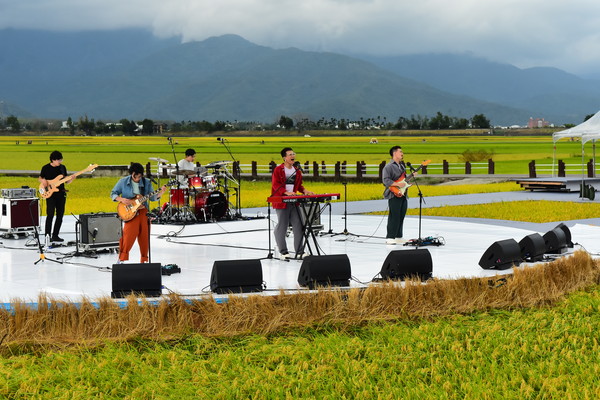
(158,159)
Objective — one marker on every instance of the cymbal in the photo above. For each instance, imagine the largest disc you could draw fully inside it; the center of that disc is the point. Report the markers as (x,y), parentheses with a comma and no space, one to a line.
(216,164)
(158,159)
(183,172)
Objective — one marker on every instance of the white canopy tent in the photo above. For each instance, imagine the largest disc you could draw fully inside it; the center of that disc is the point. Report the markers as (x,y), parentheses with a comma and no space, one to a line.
(586,131)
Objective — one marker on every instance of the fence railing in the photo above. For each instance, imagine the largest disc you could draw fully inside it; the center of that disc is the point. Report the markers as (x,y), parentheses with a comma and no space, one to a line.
(362,170)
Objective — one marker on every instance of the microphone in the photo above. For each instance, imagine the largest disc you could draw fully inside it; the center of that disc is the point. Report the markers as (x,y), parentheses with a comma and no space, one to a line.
(297,165)
(220,139)
(94,233)
(152,180)
(409,165)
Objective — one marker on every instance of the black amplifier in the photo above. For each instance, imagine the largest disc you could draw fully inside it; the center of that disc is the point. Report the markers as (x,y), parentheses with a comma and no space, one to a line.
(100,230)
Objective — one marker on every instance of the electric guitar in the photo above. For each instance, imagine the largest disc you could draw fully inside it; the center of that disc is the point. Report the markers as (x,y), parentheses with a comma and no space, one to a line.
(400,191)
(47,191)
(128,212)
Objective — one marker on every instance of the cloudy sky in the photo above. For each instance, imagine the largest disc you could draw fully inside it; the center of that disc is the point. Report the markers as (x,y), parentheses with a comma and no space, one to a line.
(525,33)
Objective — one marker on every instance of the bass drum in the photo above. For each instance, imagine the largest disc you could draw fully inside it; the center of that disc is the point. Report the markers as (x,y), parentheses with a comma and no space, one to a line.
(210,206)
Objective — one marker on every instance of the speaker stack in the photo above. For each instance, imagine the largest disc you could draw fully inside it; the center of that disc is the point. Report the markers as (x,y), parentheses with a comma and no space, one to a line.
(407,264)
(236,276)
(138,279)
(532,248)
(20,211)
(501,255)
(331,270)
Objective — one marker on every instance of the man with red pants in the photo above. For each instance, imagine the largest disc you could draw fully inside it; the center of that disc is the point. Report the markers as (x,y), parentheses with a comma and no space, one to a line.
(138,228)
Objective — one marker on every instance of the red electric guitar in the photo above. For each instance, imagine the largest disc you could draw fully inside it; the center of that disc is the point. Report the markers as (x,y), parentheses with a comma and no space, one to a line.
(399,191)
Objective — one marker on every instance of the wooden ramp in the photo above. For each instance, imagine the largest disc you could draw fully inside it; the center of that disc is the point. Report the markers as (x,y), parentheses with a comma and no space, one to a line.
(570,184)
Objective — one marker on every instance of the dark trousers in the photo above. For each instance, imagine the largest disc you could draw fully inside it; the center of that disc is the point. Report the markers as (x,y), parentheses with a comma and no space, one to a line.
(398,207)
(55,206)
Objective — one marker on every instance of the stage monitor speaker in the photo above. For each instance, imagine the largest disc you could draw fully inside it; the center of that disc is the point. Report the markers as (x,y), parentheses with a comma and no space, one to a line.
(501,255)
(236,276)
(331,270)
(532,247)
(556,241)
(139,279)
(567,232)
(100,230)
(405,264)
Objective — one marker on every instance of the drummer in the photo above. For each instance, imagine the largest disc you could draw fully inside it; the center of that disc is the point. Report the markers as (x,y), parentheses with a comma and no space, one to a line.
(187,167)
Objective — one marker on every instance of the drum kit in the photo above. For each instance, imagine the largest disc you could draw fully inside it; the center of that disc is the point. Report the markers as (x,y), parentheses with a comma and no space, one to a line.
(200,195)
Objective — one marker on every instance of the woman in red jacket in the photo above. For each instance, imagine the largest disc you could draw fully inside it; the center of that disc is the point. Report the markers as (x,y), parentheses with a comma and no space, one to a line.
(287,181)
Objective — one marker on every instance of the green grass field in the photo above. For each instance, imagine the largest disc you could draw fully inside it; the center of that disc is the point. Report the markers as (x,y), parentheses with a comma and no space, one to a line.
(547,351)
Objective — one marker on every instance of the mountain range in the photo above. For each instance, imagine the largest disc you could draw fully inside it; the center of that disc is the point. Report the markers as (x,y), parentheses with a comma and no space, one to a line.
(132,74)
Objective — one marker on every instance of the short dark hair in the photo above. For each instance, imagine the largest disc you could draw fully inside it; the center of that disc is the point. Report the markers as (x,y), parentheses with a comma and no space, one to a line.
(393,150)
(285,150)
(55,155)
(190,152)
(136,168)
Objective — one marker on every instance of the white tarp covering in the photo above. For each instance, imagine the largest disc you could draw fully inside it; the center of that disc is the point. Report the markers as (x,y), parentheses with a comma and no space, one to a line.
(588,130)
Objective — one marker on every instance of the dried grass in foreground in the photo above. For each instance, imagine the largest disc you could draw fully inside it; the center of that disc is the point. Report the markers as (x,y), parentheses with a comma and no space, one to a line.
(64,324)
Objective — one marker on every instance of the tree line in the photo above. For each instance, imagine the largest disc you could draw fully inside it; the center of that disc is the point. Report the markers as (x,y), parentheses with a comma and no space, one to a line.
(90,126)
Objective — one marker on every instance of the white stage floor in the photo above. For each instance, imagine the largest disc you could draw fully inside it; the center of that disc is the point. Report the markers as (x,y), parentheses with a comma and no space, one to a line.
(194,248)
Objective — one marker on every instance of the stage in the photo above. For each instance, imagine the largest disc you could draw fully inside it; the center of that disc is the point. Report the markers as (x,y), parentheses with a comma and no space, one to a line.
(195,248)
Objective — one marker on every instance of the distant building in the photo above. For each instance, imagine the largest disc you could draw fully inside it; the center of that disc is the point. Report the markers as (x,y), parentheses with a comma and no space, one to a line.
(537,123)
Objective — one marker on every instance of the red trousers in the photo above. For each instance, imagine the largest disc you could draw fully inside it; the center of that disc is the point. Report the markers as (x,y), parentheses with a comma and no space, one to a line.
(137,228)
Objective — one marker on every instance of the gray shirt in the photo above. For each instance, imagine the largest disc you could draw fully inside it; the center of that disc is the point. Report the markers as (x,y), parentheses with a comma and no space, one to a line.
(391,172)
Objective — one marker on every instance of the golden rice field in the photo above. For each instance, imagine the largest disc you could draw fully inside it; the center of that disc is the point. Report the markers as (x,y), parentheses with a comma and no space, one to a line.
(528,211)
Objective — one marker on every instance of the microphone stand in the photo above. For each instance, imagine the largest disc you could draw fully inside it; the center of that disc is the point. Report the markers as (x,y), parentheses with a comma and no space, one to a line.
(345,232)
(176,174)
(237,171)
(37,238)
(421,201)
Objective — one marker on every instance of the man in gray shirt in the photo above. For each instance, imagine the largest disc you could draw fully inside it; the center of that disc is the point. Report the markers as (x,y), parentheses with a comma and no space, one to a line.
(396,193)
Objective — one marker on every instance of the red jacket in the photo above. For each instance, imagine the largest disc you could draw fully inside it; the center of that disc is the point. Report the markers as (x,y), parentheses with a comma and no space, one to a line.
(278,184)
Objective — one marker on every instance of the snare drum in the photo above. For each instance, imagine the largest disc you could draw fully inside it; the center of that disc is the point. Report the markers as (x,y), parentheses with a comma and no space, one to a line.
(210,206)
(196,182)
(209,182)
(179,197)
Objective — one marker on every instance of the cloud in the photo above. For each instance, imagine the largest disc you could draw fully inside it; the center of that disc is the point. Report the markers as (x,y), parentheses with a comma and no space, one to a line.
(521,32)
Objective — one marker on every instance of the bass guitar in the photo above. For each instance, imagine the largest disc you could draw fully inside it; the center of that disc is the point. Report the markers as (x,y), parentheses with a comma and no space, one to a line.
(400,191)
(128,212)
(47,191)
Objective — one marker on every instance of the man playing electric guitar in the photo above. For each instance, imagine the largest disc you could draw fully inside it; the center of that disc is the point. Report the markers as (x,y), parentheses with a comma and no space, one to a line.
(55,204)
(137,228)
(397,205)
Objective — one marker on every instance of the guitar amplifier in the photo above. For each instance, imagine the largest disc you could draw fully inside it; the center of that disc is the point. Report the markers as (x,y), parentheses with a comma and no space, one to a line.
(19,215)
(101,230)
(20,193)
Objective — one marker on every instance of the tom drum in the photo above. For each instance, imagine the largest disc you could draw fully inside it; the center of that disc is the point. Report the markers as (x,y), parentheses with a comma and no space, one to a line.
(196,182)
(179,197)
(209,182)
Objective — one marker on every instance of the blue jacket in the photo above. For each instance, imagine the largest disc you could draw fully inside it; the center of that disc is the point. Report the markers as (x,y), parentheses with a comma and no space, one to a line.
(124,188)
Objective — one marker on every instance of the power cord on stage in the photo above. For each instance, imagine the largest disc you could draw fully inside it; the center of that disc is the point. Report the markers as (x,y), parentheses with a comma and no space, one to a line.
(354,238)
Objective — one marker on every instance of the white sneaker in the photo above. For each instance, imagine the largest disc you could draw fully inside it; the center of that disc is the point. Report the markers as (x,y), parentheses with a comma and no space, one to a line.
(284,257)
(400,240)
(303,256)
(390,241)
